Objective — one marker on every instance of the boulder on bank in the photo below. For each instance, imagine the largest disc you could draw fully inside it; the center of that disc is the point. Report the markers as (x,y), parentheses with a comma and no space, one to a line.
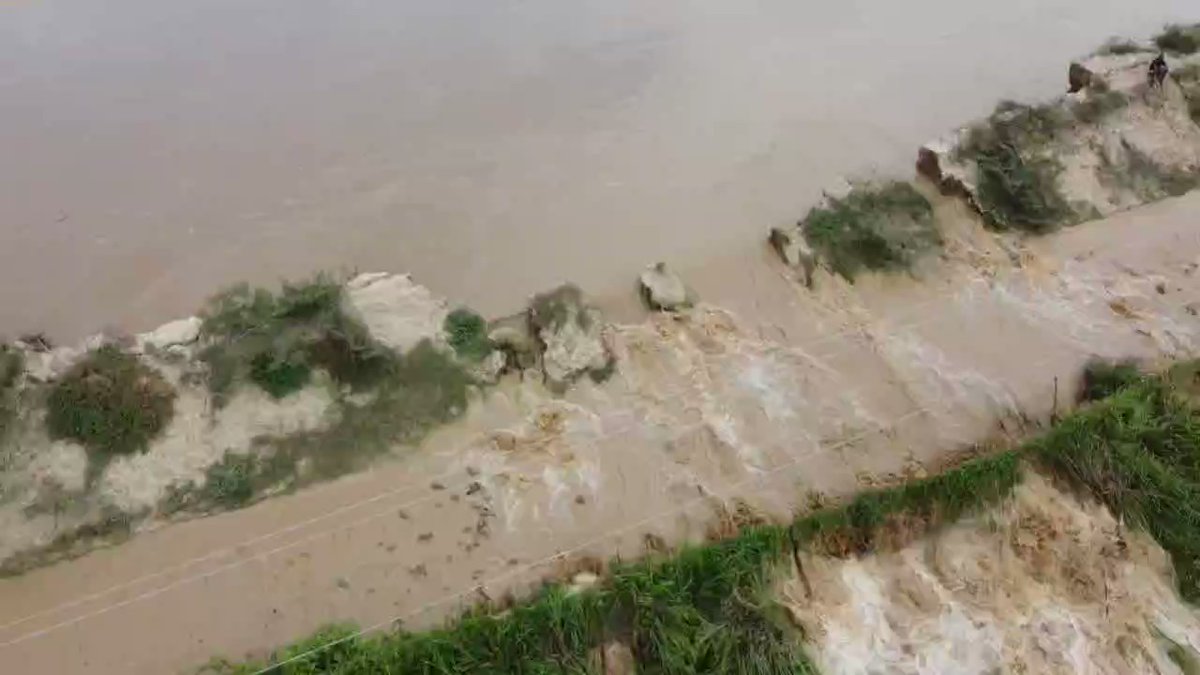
(662,289)
(397,311)
(1078,78)
(570,333)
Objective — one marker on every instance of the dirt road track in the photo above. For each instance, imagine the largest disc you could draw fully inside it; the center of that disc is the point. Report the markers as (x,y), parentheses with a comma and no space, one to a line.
(785,393)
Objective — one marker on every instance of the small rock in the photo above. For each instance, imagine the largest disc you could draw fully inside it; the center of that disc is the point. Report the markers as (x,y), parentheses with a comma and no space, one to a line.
(663,289)
(425,536)
(791,246)
(1078,78)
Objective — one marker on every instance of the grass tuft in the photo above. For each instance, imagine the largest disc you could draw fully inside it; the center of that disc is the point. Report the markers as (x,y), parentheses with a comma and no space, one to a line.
(12,364)
(880,228)
(111,403)
(1102,379)
(1121,47)
(552,309)
(1138,451)
(468,334)
(1179,39)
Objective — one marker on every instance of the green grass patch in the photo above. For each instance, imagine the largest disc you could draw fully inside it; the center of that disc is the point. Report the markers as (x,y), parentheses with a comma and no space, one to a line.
(468,334)
(878,228)
(1102,379)
(12,364)
(111,403)
(1179,39)
(551,310)
(1138,451)
(1017,177)
(275,340)
(1120,47)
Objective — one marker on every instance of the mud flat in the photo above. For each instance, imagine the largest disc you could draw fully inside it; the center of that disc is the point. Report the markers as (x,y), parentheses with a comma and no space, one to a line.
(372,454)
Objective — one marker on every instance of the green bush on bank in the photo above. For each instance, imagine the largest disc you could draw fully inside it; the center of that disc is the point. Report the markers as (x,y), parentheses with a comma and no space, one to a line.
(275,340)
(110,402)
(1179,39)
(878,228)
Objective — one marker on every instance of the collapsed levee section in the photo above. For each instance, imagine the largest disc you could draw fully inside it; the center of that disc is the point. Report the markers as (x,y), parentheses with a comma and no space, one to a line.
(1114,141)
(1041,583)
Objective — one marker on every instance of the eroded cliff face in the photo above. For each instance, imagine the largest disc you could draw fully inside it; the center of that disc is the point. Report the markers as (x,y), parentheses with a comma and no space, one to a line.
(1044,583)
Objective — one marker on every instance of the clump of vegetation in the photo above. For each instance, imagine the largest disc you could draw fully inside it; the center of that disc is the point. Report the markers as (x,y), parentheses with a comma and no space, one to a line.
(111,403)
(1100,102)
(1188,78)
(1017,180)
(1179,39)
(468,334)
(1102,379)
(1144,177)
(1138,451)
(554,308)
(879,228)
(12,364)
(1119,47)
(275,340)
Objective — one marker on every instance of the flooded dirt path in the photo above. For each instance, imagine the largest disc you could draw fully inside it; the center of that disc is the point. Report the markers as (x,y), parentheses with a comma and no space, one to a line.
(768,394)
(156,151)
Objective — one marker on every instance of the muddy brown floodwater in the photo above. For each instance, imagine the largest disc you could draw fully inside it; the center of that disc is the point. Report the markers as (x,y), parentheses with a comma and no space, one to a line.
(156,150)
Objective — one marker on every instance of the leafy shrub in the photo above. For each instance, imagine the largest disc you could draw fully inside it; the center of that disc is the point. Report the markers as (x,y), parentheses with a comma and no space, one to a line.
(1102,379)
(875,228)
(274,340)
(12,364)
(1119,47)
(1179,39)
(110,402)
(1017,183)
(468,334)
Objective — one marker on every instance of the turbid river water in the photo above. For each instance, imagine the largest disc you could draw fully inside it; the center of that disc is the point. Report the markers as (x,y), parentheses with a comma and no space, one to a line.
(153,151)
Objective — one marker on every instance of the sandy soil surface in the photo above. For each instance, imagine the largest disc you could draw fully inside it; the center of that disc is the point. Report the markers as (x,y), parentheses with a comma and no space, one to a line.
(767,392)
